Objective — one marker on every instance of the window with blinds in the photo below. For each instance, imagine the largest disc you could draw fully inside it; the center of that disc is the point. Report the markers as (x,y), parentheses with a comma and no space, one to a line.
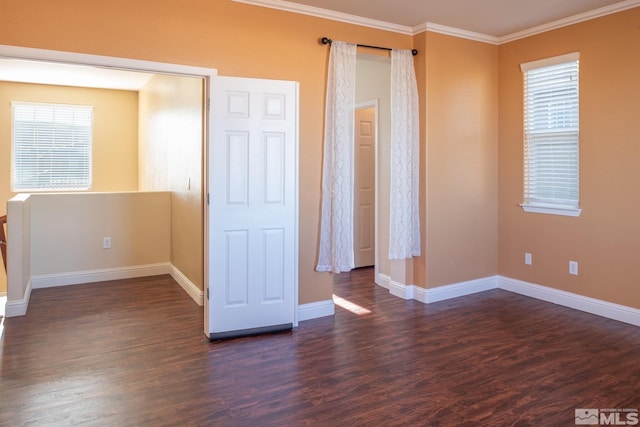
(551,135)
(52,146)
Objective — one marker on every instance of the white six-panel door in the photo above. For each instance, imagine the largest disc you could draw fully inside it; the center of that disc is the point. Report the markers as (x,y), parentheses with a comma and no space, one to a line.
(253,158)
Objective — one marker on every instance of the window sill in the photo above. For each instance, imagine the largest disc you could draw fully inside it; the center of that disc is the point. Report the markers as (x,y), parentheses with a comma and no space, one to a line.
(552,210)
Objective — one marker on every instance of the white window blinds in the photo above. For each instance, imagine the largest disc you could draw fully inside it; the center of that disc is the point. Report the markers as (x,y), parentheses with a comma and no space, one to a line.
(51,147)
(551,133)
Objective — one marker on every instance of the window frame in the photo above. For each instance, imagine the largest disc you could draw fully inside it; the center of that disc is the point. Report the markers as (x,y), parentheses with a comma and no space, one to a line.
(86,158)
(550,206)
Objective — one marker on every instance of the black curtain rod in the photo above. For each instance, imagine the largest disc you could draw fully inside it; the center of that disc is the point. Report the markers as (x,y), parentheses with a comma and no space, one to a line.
(326,40)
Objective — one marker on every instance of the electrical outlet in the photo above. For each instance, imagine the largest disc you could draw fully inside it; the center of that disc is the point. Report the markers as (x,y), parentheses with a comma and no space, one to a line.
(528,258)
(106,243)
(573,268)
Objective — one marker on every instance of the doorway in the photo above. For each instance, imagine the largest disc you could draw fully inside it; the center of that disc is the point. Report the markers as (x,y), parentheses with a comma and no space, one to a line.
(280,180)
(193,191)
(365,209)
(364,186)
(373,93)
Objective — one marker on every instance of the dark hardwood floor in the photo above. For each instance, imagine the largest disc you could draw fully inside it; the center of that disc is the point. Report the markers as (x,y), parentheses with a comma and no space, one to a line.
(132,353)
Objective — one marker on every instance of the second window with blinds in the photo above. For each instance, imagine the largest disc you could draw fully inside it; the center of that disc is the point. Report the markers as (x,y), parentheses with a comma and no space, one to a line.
(551,136)
(52,146)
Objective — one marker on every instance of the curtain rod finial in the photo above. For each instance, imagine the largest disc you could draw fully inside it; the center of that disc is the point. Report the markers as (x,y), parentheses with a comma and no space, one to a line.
(415,52)
(325,40)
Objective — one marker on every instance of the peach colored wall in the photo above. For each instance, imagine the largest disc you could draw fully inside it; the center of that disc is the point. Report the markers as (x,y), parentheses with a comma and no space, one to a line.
(462,159)
(170,154)
(236,39)
(115,139)
(605,239)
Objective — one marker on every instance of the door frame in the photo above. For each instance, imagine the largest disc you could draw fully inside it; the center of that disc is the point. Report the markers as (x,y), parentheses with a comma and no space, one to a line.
(126,64)
(372,103)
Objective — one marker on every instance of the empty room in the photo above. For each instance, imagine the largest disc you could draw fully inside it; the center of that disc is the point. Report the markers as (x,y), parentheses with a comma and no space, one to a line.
(320,213)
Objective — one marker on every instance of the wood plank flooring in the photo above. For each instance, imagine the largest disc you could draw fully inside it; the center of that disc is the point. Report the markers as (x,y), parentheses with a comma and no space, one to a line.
(132,353)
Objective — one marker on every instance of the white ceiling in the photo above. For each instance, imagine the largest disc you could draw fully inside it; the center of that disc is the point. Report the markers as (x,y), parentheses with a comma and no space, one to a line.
(492,18)
(17,70)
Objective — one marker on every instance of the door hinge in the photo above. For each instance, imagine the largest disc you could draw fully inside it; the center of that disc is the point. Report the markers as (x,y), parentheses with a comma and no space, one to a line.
(207,294)
(207,199)
(208,104)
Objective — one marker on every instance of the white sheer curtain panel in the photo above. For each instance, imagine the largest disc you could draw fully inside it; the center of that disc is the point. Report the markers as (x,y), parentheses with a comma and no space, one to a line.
(336,226)
(404,226)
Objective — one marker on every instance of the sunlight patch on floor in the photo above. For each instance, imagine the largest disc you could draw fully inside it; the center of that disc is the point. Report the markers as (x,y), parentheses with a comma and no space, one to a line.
(348,305)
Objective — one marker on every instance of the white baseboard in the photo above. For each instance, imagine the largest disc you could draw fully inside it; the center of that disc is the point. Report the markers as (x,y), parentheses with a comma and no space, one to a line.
(440,293)
(383,280)
(326,308)
(314,310)
(18,307)
(92,276)
(567,299)
(188,286)
(578,302)
(401,290)
(456,290)
(396,288)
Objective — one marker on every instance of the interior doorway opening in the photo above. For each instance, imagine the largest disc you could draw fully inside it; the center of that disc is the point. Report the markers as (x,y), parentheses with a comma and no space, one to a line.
(19,293)
(364,178)
(373,98)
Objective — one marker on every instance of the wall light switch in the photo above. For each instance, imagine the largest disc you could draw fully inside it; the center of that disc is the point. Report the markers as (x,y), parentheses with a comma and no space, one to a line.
(573,268)
(528,259)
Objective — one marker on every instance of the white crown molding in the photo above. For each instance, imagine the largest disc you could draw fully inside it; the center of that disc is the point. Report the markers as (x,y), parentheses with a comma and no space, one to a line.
(575,19)
(329,14)
(456,32)
(437,28)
